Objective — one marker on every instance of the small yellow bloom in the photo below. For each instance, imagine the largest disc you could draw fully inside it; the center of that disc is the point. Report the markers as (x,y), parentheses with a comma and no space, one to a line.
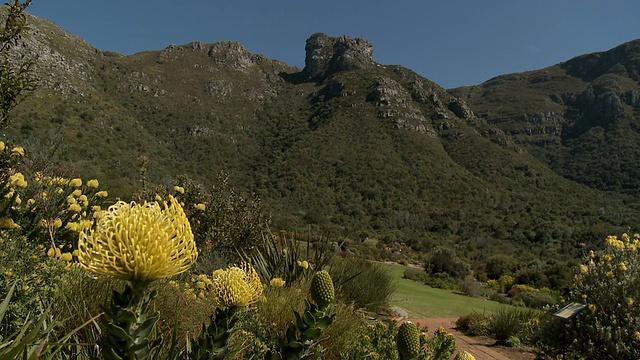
(72,226)
(17,151)
(178,189)
(636,336)
(609,274)
(9,195)
(584,269)
(139,243)
(236,286)
(200,207)
(75,208)
(25,288)
(31,202)
(18,180)
(76,193)
(77,182)
(57,223)
(622,266)
(17,200)
(1,145)
(7,223)
(593,308)
(53,253)
(66,257)
(277,282)
(8,274)
(629,301)
(303,264)
(93,183)
(102,194)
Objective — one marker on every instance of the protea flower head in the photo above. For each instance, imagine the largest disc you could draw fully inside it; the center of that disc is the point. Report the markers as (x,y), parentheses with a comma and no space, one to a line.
(139,242)
(236,286)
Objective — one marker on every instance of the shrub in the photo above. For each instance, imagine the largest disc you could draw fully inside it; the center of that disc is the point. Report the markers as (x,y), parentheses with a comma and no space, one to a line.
(472,287)
(536,300)
(442,281)
(513,322)
(608,282)
(446,261)
(414,274)
(365,284)
(473,324)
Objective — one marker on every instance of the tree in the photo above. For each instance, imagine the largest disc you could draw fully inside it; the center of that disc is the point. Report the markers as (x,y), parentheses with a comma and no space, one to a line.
(16,79)
(445,260)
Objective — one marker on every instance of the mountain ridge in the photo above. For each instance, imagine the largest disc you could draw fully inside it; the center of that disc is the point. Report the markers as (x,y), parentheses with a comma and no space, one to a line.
(345,145)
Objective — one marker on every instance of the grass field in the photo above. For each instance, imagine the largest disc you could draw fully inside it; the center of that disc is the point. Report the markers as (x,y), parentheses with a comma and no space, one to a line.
(422,301)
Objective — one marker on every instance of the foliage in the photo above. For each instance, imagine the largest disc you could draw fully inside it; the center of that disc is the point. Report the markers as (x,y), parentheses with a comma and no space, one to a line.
(28,341)
(472,287)
(287,257)
(365,284)
(443,260)
(414,274)
(17,80)
(221,218)
(509,323)
(474,324)
(34,275)
(376,341)
(607,282)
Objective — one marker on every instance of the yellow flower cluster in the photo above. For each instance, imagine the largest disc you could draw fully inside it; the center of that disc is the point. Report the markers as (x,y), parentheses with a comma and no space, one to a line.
(303,264)
(7,223)
(18,180)
(276,282)
(236,286)
(139,243)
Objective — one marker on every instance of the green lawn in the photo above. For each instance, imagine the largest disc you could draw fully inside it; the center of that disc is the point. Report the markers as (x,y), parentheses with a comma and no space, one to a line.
(422,301)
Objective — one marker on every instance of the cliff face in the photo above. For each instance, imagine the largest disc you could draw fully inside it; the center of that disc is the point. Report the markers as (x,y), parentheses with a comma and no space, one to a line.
(327,55)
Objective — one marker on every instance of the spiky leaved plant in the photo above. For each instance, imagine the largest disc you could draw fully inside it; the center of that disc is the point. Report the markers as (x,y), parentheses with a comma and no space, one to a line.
(303,336)
(408,341)
(138,243)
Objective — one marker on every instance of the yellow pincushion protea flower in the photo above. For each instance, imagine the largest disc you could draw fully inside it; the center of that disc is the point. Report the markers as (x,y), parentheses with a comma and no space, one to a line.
(139,243)
(236,286)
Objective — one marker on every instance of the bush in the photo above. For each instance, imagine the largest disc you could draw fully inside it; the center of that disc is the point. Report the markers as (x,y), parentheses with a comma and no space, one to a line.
(608,282)
(473,324)
(415,274)
(446,261)
(365,284)
(443,281)
(472,287)
(513,322)
(536,300)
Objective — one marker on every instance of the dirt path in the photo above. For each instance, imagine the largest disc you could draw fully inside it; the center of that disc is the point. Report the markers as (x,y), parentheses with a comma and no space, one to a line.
(477,347)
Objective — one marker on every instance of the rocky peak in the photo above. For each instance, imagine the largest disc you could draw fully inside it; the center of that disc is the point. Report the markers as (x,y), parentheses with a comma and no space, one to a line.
(326,55)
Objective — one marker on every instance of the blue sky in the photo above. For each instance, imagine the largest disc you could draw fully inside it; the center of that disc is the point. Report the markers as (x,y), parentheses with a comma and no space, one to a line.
(451,42)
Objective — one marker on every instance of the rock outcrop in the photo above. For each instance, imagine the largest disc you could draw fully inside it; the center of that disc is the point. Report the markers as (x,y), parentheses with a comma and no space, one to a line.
(326,55)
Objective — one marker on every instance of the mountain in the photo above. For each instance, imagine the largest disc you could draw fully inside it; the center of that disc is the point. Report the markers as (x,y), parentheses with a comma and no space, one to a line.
(579,117)
(345,145)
